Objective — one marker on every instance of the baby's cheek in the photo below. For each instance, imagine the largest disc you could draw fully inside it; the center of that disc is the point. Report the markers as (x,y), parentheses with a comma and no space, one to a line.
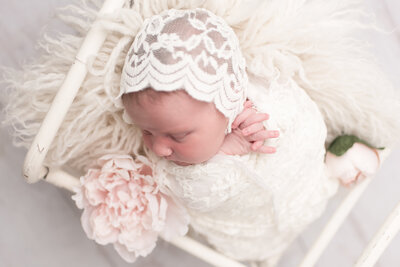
(184,149)
(207,147)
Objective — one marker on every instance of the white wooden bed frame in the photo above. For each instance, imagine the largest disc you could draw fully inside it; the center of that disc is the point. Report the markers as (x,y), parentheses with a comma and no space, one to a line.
(34,170)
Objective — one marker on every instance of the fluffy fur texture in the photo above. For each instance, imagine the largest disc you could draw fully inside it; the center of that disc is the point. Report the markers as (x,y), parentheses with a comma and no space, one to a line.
(310,41)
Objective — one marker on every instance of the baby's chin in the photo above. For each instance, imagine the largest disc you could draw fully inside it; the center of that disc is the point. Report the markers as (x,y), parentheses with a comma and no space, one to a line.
(185,163)
(182,163)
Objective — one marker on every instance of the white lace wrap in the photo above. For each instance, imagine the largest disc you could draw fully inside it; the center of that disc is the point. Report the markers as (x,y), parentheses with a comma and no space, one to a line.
(192,50)
(252,207)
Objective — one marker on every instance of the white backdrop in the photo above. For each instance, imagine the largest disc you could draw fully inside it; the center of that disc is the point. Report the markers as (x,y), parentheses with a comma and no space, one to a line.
(40,225)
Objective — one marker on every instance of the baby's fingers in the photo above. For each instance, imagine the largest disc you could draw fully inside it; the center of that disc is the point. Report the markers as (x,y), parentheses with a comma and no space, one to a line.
(255,118)
(262,135)
(242,117)
(267,149)
(248,104)
(253,123)
(258,147)
(252,129)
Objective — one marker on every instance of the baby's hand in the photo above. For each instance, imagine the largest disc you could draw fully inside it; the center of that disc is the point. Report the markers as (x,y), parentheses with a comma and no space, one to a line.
(252,128)
(248,133)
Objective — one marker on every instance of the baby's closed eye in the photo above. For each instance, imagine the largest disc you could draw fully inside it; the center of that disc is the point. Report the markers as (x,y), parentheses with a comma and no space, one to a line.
(179,137)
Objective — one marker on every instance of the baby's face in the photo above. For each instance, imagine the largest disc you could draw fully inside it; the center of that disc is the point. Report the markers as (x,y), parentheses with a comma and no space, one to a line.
(178,127)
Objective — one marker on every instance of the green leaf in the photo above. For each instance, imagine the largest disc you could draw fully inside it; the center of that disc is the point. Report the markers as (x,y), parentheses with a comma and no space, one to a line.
(342,143)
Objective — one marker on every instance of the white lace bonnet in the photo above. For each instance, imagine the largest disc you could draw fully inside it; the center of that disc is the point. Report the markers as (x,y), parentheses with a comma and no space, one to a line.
(193,50)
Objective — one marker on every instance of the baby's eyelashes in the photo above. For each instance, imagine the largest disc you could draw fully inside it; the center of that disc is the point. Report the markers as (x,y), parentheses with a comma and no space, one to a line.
(179,137)
(175,137)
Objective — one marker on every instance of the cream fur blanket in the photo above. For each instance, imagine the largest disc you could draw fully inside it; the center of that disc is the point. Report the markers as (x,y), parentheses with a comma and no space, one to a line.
(310,42)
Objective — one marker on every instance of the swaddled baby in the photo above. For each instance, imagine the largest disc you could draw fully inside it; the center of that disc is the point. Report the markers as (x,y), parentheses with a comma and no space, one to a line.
(187,131)
(184,83)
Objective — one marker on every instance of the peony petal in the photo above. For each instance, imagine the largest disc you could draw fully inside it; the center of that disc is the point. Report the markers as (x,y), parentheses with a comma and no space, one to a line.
(146,219)
(142,244)
(340,167)
(94,193)
(91,175)
(349,176)
(123,196)
(109,181)
(122,206)
(78,197)
(359,160)
(148,189)
(124,253)
(126,163)
(107,165)
(146,170)
(364,158)
(123,174)
(132,224)
(102,228)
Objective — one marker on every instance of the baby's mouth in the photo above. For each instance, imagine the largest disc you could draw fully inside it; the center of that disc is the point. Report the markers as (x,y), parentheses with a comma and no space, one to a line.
(180,163)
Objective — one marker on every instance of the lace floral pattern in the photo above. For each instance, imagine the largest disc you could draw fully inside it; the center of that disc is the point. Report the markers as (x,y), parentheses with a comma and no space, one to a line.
(190,49)
(240,203)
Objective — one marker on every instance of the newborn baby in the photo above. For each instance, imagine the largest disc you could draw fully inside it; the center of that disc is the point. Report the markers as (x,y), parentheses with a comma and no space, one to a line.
(184,83)
(188,131)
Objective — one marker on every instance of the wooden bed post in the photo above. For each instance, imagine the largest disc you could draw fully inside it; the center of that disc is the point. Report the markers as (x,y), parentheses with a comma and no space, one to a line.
(33,169)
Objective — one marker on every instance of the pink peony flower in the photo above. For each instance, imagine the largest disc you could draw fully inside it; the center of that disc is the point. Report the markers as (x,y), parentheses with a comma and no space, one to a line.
(358,162)
(122,205)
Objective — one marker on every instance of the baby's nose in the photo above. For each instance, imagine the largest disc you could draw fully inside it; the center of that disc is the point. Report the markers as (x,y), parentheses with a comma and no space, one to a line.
(161,148)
